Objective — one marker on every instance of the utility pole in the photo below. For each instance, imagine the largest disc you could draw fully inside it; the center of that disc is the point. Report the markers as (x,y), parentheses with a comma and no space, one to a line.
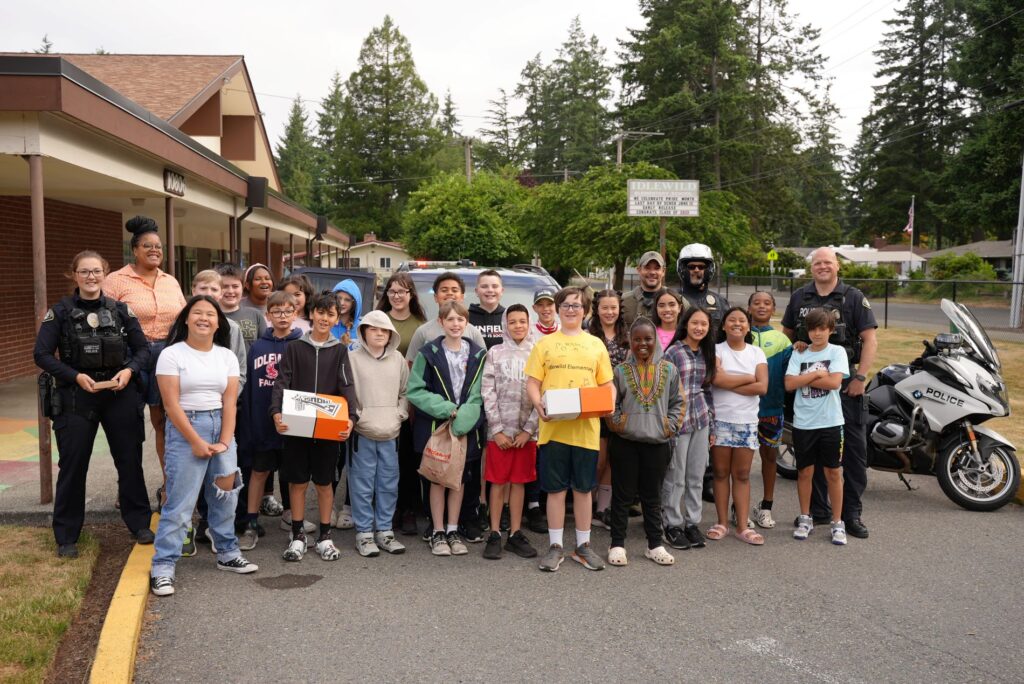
(1017,300)
(468,147)
(629,135)
(565,174)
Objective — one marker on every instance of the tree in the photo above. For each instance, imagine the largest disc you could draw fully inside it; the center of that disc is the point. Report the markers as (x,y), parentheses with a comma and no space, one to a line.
(449,123)
(46,47)
(501,140)
(540,143)
(296,156)
(450,218)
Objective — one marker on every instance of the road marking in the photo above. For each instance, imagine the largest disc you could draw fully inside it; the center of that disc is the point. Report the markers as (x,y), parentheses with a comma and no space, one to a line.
(770,648)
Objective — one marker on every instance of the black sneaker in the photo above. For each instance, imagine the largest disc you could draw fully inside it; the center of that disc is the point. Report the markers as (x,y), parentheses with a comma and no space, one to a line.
(200,534)
(67,551)
(408,525)
(635,511)
(694,536)
(237,565)
(428,533)
(493,549)
(535,520)
(471,532)
(161,586)
(518,544)
(145,536)
(506,519)
(483,517)
(676,538)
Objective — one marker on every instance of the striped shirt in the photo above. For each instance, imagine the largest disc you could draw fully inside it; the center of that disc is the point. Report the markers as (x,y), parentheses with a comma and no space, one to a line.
(156,306)
(692,369)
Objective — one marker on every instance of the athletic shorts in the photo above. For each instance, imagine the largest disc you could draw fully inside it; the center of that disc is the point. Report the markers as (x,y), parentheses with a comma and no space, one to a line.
(736,435)
(515,465)
(563,466)
(266,461)
(150,392)
(309,459)
(822,447)
(769,431)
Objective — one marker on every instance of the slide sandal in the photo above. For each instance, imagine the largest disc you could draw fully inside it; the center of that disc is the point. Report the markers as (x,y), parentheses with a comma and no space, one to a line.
(716,532)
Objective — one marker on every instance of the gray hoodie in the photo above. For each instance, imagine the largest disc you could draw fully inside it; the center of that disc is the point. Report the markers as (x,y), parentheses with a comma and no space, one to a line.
(653,415)
(380,382)
(503,387)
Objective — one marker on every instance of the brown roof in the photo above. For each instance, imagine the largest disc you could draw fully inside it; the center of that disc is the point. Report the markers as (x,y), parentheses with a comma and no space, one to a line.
(986,249)
(163,84)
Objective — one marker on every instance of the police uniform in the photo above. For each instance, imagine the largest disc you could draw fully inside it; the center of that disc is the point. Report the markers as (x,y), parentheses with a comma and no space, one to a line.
(853,316)
(97,337)
(714,303)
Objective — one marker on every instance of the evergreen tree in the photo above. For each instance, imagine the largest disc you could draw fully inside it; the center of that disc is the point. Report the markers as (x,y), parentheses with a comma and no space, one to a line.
(46,47)
(296,156)
(501,146)
(335,160)
(449,122)
(534,129)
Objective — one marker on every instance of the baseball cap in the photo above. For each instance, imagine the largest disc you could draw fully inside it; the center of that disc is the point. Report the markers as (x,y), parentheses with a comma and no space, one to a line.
(649,257)
(543,294)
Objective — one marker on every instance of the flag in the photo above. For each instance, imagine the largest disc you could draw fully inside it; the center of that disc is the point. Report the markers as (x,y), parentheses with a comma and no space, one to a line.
(909,228)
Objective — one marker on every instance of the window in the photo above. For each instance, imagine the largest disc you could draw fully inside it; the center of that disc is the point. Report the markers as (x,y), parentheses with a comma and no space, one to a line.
(385,262)
(353,262)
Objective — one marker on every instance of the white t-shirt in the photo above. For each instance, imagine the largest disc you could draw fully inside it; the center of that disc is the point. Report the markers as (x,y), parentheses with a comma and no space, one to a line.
(730,406)
(202,376)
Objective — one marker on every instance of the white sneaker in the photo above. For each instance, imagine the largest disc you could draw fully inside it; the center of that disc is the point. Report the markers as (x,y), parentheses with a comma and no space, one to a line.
(763,517)
(295,551)
(327,551)
(209,535)
(342,519)
(386,541)
(286,524)
(804,527)
(271,507)
(247,540)
(839,533)
(365,545)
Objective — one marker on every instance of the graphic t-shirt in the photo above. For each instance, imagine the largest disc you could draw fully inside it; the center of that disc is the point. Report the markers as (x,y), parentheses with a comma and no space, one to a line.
(202,375)
(561,361)
(250,322)
(818,408)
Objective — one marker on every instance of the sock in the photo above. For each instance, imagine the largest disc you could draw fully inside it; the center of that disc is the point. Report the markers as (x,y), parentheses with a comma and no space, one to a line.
(451,528)
(766,505)
(555,536)
(533,504)
(582,537)
(296,528)
(252,517)
(604,497)
(325,530)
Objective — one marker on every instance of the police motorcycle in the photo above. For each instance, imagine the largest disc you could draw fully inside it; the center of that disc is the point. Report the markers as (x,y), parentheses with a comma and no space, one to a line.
(924,418)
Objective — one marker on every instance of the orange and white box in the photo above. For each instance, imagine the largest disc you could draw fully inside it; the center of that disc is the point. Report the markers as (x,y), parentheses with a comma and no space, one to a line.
(319,416)
(582,402)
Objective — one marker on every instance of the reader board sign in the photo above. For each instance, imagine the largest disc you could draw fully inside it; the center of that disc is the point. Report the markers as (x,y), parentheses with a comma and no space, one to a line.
(663,197)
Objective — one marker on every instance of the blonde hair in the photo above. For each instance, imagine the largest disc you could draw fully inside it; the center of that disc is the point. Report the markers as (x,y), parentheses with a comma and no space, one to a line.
(207,276)
(447,307)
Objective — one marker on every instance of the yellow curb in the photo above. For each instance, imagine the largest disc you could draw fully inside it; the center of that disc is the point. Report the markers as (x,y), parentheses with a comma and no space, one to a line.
(119,640)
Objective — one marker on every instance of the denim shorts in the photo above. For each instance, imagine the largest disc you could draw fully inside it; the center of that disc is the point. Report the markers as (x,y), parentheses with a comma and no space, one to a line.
(150,392)
(736,435)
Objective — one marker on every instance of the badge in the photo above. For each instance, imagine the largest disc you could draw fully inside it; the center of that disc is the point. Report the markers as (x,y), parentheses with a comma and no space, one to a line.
(49,316)
(93,320)
(709,300)
(867,304)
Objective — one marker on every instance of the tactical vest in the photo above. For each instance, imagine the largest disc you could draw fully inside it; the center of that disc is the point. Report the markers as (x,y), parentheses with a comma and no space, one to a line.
(707,300)
(835,304)
(93,340)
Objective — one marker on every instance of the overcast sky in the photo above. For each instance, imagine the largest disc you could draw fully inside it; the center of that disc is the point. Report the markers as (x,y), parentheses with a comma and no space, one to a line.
(472,48)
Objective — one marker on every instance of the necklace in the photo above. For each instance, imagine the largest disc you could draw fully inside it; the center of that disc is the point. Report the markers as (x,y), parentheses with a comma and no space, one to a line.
(646,382)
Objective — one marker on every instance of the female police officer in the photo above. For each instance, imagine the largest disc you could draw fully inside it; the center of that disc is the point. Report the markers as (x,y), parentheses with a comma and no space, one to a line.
(99,342)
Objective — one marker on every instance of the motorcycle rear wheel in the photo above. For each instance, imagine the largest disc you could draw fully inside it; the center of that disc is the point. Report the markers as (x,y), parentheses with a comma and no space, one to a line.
(785,463)
(978,489)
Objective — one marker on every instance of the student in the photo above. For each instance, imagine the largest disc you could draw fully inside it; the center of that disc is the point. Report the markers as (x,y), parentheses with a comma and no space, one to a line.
(741,377)
(250,321)
(816,374)
(264,442)
(565,359)
(693,353)
(447,287)
(381,376)
(350,311)
(608,324)
(401,303)
(445,384)
(648,409)
(488,315)
(299,287)
(198,378)
(770,422)
(316,362)
(511,459)
(667,307)
(259,283)
(544,307)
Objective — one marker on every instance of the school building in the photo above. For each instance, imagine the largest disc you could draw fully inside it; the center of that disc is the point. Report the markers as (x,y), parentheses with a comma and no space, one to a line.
(88,141)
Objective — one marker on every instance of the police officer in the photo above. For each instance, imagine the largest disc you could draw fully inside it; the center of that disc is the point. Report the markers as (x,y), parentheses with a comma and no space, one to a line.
(855,331)
(101,349)
(696,268)
(640,300)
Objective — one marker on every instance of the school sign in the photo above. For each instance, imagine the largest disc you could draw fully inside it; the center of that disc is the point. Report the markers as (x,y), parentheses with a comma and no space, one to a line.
(663,197)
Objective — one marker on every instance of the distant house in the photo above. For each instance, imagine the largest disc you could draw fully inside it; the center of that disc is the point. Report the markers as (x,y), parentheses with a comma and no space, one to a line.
(999,253)
(380,256)
(902,260)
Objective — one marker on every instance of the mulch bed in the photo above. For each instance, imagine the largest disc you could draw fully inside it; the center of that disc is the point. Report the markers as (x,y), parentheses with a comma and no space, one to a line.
(78,646)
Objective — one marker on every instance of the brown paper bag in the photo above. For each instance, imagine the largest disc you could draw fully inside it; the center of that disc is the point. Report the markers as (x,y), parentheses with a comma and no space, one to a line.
(444,457)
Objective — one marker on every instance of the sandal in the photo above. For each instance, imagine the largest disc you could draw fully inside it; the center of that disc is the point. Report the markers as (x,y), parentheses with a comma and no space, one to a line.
(617,556)
(660,556)
(751,537)
(716,532)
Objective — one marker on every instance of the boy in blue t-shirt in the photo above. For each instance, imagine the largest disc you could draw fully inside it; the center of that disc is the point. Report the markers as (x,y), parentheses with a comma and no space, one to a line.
(816,374)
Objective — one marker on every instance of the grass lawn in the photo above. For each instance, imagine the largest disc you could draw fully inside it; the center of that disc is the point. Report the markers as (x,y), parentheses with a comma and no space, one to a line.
(39,596)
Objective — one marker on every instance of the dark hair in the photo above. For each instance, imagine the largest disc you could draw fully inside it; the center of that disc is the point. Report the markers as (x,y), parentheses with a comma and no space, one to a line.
(594,327)
(488,272)
(706,346)
(658,295)
(250,275)
(567,292)
(750,299)
(302,282)
(517,308)
(749,337)
(139,226)
(325,301)
(278,297)
(819,318)
(179,330)
(405,280)
(448,275)
(229,271)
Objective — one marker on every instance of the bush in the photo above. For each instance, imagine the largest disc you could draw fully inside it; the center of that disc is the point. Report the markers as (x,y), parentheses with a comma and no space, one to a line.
(862,275)
(957,268)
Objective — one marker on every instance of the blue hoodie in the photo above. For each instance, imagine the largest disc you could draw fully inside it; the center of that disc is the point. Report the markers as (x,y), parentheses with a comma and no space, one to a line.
(350,288)
(262,365)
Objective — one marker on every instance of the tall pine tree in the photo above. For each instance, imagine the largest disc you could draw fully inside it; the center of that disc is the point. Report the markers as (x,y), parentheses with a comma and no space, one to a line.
(501,140)
(296,156)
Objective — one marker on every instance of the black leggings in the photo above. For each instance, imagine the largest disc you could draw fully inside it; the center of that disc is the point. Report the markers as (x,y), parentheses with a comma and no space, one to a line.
(637,468)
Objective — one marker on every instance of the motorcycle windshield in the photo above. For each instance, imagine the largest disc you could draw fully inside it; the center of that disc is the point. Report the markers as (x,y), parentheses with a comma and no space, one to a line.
(971,330)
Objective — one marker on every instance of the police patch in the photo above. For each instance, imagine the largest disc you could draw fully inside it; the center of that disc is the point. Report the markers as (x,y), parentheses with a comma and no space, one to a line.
(866,303)
(49,316)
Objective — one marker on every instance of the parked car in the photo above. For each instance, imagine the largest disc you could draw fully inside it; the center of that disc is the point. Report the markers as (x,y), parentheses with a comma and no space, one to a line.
(520,282)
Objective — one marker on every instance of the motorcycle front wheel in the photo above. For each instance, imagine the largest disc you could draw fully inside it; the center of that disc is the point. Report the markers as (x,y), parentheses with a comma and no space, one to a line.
(785,463)
(978,488)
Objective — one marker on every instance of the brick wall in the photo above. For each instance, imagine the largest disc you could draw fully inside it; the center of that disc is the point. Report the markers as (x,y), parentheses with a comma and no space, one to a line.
(70,228)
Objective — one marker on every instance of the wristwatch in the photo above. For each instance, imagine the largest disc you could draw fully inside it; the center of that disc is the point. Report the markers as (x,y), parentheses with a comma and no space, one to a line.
(860,377)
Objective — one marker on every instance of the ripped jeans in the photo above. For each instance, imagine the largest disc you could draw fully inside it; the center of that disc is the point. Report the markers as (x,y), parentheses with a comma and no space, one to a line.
(187,475)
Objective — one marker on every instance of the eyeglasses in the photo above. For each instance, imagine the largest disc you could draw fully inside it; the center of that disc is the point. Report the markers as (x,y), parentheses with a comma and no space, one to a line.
(572,307)
(85,273)
(151,245)
(695,267)
(281,313)
(397,293)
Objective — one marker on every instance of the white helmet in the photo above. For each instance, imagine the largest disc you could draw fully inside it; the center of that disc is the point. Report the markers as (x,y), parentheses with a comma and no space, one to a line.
(696,251)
